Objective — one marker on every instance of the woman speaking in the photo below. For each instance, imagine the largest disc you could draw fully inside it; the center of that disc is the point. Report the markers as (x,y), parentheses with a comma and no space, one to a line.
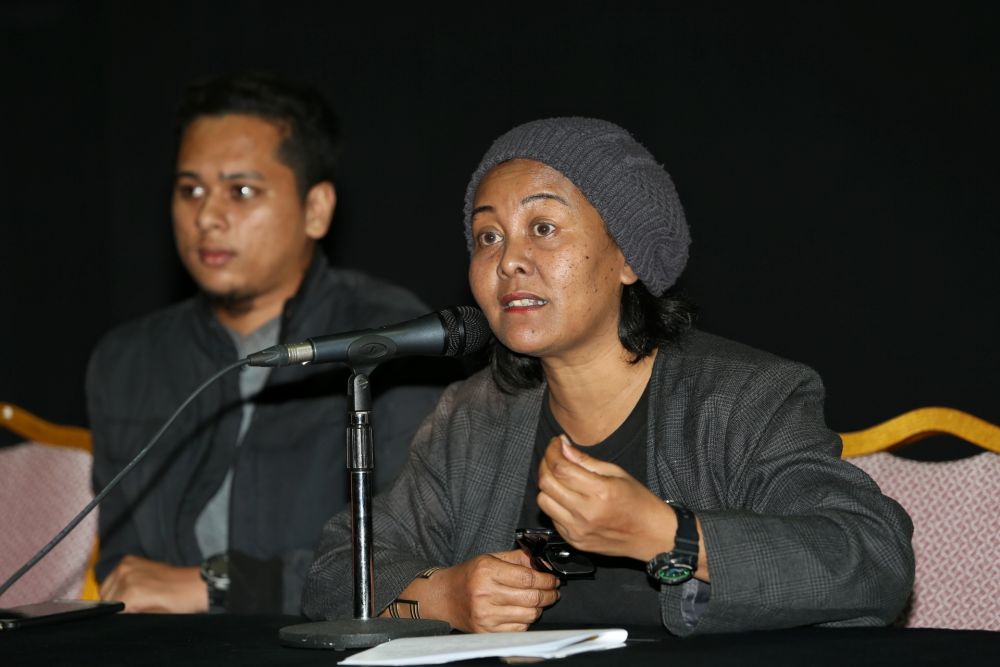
(615,465)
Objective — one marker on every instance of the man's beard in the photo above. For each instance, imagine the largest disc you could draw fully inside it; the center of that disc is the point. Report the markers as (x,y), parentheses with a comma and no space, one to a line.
(233,303)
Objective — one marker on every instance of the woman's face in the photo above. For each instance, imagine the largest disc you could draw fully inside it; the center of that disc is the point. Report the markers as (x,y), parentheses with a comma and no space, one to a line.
(544,269)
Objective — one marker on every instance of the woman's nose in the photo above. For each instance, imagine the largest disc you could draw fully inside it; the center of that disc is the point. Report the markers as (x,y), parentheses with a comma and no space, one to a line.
(516,258)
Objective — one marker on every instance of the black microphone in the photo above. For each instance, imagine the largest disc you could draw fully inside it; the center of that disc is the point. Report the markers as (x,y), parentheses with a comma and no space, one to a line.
(451,332)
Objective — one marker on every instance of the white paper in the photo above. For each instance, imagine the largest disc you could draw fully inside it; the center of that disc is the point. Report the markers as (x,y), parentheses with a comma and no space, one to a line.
(533,644)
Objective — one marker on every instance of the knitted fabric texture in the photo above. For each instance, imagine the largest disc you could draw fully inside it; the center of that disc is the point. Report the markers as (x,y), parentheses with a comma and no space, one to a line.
(630,190)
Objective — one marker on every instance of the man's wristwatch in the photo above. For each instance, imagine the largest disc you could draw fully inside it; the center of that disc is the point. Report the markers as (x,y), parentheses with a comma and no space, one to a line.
(677,566)
(215,574)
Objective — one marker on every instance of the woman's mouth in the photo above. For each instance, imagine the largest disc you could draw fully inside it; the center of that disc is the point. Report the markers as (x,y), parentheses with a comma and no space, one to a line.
(517,302)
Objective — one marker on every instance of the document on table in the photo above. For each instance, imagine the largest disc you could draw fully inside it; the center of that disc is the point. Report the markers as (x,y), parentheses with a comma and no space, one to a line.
(531,644)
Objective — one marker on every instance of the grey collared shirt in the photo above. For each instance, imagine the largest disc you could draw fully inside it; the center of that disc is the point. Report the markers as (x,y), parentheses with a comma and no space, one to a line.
(212,526)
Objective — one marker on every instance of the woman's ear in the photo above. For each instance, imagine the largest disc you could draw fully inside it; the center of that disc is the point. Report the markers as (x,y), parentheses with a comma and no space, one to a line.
(628,276)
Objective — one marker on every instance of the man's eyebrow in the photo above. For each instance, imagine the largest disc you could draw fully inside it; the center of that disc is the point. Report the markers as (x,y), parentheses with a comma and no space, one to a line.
(231,176)
(481,209)
(240,175)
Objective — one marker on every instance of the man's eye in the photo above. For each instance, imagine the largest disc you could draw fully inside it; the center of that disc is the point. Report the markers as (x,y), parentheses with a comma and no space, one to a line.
(489,238)
(189,191)
(544,228)
(244,192)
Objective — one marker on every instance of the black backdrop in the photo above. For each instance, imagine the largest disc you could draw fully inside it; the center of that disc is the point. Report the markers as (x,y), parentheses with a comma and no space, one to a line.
(837,164)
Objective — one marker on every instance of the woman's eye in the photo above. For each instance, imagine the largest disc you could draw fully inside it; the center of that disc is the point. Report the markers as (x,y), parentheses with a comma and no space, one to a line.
(489,238)
(544,228)
(244,192)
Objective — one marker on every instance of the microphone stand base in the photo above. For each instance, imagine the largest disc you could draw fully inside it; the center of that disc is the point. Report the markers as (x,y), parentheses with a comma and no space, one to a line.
(358,633)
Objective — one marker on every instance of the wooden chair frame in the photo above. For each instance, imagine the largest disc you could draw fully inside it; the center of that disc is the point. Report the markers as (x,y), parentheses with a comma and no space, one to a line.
(38,430)
(918,424)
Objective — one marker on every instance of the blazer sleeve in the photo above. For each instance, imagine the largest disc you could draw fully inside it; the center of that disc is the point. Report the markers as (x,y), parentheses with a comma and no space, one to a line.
(802,537)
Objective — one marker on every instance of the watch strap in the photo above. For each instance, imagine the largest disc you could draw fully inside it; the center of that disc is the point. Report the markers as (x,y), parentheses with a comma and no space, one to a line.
(686,538)
(215,574)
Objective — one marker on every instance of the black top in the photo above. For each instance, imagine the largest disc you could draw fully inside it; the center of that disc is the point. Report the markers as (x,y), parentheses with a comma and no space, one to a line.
(620,591)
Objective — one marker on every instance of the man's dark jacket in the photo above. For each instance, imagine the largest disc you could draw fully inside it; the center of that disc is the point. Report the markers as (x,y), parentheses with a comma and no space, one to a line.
(289,472)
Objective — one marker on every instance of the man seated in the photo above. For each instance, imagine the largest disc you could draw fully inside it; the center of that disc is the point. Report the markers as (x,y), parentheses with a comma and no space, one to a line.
(225,512)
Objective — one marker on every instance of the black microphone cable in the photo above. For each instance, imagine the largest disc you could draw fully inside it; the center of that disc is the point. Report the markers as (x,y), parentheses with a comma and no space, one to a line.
(114,482)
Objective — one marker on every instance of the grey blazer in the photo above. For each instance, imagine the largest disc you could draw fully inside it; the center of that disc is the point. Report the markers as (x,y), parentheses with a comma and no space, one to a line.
(794,535)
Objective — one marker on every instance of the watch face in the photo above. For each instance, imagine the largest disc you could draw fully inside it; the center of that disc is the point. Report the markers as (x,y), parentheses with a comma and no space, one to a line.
(673,574)
(215,572)
(218,566)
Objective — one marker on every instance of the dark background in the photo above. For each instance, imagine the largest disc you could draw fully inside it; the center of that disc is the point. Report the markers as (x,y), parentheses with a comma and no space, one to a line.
(837,163)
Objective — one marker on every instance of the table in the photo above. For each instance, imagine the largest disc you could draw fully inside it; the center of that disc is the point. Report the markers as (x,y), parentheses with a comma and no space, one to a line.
(221,640)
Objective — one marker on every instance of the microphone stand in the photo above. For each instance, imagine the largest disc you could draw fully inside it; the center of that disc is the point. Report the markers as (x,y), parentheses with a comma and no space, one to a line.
(364,630)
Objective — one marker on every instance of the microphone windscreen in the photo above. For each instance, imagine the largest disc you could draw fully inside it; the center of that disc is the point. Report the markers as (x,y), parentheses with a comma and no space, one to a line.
(467,328)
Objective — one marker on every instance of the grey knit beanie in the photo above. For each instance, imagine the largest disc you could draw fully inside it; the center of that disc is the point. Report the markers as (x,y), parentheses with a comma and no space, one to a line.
(632,192)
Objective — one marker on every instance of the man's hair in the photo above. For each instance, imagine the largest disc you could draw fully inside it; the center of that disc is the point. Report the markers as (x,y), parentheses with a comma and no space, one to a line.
(309,126)
(644,323)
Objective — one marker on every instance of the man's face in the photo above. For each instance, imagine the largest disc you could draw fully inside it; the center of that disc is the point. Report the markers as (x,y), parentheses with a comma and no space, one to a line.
(242,231)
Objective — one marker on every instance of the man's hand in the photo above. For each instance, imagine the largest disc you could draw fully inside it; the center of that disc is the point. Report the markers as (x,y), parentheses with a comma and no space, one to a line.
(153,587)
(498,592)
(598,507)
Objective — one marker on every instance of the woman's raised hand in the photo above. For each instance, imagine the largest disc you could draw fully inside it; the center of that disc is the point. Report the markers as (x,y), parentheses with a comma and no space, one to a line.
(598,507)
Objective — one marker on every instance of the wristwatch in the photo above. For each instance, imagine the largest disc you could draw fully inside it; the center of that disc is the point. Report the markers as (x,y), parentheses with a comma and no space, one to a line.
(215,574)
(677,566)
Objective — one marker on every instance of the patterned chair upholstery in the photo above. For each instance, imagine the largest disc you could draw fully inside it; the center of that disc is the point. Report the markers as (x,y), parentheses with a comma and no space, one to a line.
(955,507)
(43,483)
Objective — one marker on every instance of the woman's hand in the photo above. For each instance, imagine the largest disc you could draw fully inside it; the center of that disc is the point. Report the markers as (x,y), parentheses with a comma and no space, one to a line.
(498,592)
(598,507)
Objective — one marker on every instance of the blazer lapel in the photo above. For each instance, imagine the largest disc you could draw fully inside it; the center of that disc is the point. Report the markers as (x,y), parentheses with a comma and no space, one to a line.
(512,438)
(663,459)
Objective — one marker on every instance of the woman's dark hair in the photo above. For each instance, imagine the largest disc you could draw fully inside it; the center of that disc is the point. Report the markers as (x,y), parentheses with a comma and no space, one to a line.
(645,322)
(311,130)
